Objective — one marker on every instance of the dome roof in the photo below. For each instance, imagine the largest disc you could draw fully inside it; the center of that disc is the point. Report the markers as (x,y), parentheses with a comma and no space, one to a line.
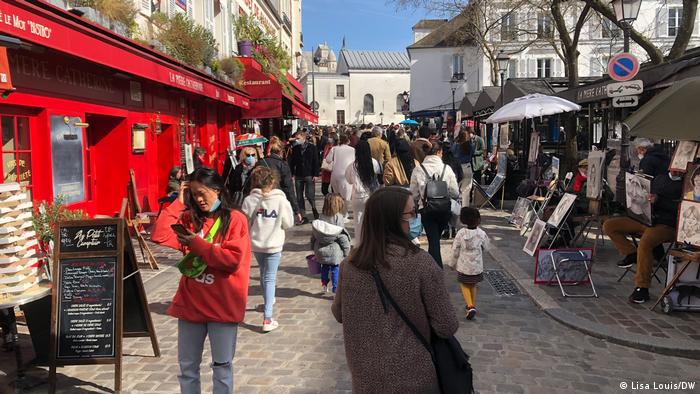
(332,57)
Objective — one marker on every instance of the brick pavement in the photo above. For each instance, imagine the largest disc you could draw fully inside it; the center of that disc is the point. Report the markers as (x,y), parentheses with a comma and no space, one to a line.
(612,308)
(514,346)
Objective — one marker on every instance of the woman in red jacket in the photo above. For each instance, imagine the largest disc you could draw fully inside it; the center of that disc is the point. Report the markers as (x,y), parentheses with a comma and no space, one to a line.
(212,294)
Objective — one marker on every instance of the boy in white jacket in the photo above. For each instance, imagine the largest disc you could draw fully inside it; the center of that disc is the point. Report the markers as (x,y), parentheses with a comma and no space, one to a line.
(269,215)
(468,257)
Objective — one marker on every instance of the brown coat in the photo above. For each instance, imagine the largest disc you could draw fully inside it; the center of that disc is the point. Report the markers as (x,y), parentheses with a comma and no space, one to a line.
(379,149)
(418,148)
(382,353)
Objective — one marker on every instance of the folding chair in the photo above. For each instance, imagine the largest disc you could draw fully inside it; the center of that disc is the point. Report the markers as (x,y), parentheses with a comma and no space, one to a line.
(563,258)
(486,197)
(658,265)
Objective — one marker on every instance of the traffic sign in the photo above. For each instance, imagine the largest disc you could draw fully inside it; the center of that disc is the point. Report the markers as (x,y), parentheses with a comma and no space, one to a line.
(623,67)
(625,101)
(625,88)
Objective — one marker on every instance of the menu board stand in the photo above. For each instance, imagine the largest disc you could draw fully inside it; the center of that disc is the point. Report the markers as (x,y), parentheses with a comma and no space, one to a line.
(96,281)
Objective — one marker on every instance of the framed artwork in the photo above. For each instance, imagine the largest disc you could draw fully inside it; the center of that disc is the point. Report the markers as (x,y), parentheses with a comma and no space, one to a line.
(689,223)
(564,206)
(568,273)
(502,163)
(533,241)
(495,185)
(534,147)
(519,211)
(638,189)
(495,133)
(594,183)
(684,154)
(138,139)
(189,159)
(503,137)
(555,167)
(691,183)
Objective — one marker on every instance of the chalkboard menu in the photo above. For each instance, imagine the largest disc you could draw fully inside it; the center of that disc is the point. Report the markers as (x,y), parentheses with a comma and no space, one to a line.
(86,312)
(89,238)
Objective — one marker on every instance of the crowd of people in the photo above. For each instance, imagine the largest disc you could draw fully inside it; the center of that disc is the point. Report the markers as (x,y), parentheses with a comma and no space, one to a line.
(393,183)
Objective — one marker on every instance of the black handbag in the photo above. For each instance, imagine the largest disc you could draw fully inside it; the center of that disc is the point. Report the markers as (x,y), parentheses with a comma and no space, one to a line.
(451,363)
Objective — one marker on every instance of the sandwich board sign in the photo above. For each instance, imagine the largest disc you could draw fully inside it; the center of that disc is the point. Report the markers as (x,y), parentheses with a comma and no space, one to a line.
(623,67)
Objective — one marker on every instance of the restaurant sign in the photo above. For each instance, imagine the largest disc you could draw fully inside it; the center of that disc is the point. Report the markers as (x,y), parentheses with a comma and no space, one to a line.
(594,93)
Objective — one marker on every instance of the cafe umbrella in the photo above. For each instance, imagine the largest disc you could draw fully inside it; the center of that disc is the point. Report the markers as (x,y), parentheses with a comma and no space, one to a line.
(249,140)
(532,106)
(409,122)
(671,114)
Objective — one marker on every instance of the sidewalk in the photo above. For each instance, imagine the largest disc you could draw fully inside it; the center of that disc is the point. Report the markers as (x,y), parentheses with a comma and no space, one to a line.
(610,317)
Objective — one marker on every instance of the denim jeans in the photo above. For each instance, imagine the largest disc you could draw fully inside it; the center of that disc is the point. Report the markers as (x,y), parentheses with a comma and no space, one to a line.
(434,225)
(268,262)
(329,273)
(306,186)
(190,345)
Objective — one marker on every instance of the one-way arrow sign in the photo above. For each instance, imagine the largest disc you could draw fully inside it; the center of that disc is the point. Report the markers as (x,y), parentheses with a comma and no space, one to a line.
(625,101)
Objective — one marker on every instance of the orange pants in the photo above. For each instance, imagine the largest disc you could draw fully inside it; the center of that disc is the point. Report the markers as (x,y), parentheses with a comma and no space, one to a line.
(469,294)
(619,227)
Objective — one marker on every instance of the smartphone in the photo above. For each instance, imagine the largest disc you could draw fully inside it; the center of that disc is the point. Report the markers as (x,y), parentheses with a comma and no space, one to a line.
(180,229)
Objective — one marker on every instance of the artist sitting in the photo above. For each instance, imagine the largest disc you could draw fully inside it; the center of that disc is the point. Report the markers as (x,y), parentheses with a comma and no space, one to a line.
(578,187)
(666,190)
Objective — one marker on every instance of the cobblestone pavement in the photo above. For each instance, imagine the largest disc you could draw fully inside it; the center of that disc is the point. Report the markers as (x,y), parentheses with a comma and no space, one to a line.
(612,307)
(514,346)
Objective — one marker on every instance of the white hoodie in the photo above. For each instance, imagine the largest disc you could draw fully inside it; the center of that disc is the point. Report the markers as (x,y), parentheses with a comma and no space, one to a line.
(268,216)
(467,251)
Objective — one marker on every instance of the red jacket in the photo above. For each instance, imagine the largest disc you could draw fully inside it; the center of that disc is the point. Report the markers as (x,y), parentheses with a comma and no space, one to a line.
(220,293)
(579,180)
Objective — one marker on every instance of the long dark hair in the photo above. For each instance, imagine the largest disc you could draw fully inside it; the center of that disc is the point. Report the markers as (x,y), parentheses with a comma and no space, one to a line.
(381,226)
(403,152)
(463,142)
(211,179)
(364,165)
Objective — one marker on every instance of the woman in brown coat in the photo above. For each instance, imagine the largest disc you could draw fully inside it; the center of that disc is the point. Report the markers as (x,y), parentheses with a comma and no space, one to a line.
(383,354)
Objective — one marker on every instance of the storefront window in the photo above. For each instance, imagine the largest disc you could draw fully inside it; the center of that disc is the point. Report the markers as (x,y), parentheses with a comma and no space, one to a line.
(67,158)
(16,150)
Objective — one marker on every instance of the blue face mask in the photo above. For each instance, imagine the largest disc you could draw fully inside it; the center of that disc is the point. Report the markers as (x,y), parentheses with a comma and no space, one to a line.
(250,160)
(297,142)
(415,227)
(215,205)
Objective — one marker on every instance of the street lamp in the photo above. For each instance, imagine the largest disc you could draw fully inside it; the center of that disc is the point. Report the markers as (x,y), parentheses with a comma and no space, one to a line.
(405,107)
(626,12)
(381,118)
(502,62)
(454,84)
(316,61)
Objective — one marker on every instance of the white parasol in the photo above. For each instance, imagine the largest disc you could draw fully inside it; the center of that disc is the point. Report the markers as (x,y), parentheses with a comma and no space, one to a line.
(532,106)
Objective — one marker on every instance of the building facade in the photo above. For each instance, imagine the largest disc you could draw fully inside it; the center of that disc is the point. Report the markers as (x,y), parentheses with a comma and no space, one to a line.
(356,86)
(527,37)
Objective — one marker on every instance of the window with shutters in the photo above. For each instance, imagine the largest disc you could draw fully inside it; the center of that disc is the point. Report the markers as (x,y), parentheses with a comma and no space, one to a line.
(368,105)
(609,29)
(209,15)
(145,7)
(457,66)
(544,68)
(674,20)
(508,27)
(513,68)
(544,27)
(339,91)
(340,116)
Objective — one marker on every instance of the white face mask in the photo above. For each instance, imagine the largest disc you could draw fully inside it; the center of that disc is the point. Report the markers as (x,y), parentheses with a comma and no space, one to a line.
(640,156)
(674,178)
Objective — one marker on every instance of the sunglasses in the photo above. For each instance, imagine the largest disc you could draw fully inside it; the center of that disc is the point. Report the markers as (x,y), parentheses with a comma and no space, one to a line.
(250,154)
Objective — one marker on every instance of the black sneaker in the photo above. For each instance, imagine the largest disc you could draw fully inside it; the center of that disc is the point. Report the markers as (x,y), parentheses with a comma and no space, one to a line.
(628,261)
(315,214)
(304,221)
(471,312)
(445,234)
(640,295)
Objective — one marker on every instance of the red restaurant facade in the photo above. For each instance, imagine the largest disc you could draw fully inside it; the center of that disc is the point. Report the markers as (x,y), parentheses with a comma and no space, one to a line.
(90,105)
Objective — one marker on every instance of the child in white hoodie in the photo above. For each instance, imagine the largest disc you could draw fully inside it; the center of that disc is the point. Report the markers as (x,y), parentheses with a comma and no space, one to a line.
(330,240)
(269,215)
(467,256)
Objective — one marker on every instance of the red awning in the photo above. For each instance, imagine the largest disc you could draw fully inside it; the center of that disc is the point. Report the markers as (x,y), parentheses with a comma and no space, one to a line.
(303,111)
(49,26)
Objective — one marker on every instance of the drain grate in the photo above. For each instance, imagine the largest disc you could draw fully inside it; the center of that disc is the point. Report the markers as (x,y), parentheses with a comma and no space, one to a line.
(501,282)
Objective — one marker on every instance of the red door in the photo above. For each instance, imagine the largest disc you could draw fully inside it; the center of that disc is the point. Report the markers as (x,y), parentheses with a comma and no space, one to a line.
(168,156)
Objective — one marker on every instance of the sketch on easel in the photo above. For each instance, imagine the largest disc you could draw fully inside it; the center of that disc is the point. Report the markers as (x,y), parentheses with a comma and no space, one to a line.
(503,137)
(502,163)
(533,241)
(684,153)
(638,189)
(555,167)
(689,223)
(534,147)
(563,207)
(519,211)
(691,183)
(594,181)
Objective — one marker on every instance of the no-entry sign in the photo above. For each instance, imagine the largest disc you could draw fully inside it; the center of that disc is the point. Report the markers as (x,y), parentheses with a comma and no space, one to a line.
(623,67)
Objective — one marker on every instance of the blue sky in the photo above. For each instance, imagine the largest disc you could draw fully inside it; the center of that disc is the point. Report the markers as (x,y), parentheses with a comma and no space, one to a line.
(366,24)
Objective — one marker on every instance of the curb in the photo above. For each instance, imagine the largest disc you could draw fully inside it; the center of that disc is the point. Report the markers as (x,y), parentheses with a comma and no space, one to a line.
(678,348)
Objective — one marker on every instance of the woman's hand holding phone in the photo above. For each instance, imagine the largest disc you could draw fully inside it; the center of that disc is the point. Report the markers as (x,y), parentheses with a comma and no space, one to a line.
(184,236)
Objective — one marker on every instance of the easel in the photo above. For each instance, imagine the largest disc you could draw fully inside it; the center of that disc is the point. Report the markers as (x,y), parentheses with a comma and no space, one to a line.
(562,225)
(593,218)
(130,209)
(687,258)
(488,197)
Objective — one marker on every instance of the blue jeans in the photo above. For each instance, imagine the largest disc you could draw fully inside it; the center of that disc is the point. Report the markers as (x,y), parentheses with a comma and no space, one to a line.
(332,271)
(268,262)
(190,345)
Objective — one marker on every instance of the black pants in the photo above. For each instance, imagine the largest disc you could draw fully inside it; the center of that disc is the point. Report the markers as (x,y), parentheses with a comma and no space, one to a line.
(306,186)
(325,188)
(477,176)
(434,224)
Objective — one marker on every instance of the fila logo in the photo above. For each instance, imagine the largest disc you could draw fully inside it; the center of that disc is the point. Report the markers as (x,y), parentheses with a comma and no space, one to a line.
(268,215)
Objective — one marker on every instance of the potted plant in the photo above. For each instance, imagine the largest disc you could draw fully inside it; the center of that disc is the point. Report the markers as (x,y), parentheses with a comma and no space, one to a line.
(248,34)
(232,68)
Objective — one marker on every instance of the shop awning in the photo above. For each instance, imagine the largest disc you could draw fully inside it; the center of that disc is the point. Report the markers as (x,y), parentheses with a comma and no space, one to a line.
(302,111)
(486,101)
(57,29)
(467,105)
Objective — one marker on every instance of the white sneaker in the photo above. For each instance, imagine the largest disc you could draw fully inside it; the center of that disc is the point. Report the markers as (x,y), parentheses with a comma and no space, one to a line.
(270,325)
(324,289)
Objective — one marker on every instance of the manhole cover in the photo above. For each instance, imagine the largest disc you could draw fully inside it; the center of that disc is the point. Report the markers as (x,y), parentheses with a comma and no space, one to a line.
(501,282)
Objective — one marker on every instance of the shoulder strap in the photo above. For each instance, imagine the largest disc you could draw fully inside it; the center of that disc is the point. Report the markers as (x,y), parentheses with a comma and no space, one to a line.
(383,292)
(427,175)
(443,171)
(213,230)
